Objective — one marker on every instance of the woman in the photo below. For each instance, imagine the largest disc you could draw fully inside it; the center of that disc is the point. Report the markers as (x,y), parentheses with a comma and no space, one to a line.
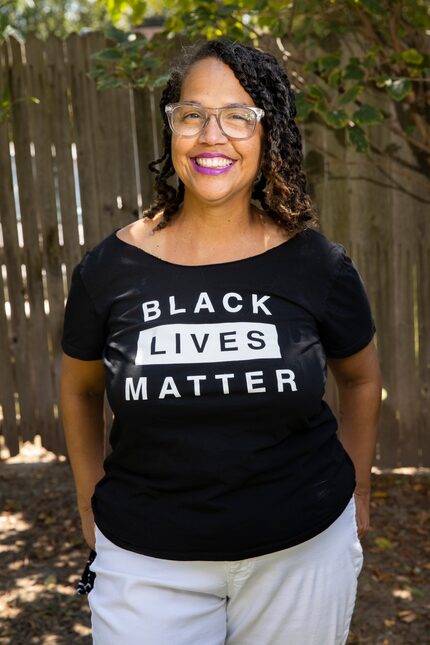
(228,511)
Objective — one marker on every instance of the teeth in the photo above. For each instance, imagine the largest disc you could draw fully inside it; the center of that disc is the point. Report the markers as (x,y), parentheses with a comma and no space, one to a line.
(213,162)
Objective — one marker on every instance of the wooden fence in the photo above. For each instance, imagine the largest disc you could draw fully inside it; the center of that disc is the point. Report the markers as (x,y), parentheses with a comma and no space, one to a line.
(73,167)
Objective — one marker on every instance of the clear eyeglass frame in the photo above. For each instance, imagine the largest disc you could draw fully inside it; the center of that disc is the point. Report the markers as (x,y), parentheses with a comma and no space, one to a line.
(170,108)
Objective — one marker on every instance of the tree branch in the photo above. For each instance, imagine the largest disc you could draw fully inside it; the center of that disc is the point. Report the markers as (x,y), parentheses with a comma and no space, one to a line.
(385,167)
(368,27)
(247,27)
(394,18)
(407,137)
(290,22)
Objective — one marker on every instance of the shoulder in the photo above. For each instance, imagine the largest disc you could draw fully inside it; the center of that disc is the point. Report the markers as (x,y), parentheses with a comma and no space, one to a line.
(314,240)
(319,252)
(132,235)
(99,256)
(308,266)
(113,258)
(140,232)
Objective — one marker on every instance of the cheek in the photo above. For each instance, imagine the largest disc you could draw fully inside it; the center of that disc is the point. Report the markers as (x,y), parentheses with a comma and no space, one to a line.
(254,155)
(253,150)
(179,158)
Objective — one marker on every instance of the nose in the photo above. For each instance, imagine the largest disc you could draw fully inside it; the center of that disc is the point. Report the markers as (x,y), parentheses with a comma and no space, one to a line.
(212,133)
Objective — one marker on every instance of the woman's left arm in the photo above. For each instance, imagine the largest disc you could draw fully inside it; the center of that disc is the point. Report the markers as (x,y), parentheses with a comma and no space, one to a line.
(359,383)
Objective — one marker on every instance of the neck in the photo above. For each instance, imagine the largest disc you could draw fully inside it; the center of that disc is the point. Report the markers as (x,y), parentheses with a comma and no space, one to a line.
(216,222)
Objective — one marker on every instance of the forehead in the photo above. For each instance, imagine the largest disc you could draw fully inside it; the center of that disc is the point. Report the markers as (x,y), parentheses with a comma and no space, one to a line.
(212,83)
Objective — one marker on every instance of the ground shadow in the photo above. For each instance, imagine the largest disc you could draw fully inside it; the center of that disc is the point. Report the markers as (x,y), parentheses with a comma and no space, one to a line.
(43,555)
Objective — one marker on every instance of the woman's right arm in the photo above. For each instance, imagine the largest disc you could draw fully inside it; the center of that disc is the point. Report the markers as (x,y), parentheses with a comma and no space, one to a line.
(82,398)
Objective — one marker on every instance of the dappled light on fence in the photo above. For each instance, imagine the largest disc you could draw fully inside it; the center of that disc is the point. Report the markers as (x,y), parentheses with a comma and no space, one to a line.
(71,172)
(73,168)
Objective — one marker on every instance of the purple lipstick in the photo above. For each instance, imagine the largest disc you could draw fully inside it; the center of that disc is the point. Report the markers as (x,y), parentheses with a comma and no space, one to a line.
(205,170)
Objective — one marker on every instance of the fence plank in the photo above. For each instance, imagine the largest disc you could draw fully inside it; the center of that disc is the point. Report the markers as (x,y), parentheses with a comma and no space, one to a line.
(8,423)
(371,196)
(105,138)
(62,139)
(38,360)
(157,121)
(327,181)
(83,119)
(405,359)
(18,346)
(126,159)
(423,310)
(41,119)
(142,107)
(404,252)
(389,426)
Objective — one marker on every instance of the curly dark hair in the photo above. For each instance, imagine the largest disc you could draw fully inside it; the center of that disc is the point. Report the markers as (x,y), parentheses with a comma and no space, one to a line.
(281,185)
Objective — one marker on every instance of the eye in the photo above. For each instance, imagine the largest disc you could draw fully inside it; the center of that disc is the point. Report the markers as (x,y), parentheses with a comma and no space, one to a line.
(237,116)
(243,116)
(191,116)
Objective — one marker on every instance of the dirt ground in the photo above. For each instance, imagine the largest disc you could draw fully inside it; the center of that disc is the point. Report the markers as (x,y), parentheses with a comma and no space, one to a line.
(43,554)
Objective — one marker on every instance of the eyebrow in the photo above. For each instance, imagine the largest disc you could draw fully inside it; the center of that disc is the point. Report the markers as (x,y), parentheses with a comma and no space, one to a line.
(228,104)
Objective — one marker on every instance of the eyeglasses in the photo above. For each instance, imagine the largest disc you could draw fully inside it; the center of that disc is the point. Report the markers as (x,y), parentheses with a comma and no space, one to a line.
(235,122)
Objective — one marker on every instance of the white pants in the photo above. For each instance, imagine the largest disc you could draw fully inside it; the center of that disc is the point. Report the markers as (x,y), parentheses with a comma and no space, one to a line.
(303,595)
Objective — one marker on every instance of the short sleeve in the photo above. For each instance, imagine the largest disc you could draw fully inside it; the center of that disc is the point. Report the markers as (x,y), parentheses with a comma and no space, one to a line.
(84,328)
(347,325)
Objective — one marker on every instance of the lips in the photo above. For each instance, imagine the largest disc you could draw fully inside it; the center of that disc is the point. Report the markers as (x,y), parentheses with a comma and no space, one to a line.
(212,163)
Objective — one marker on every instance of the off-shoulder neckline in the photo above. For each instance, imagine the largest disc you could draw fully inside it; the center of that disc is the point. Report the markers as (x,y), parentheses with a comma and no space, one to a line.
(155,258)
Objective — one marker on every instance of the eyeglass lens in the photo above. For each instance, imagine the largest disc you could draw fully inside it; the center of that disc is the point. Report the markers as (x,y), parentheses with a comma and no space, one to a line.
(238,122)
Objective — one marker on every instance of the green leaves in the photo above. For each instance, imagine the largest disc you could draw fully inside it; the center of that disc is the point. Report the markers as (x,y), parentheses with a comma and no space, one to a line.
(5,104)
(328,62)
(374,7)
(367,115)
(332,84)
(351,94)
(353,71)
(326,67)
(107,54)
(335,77)
(316,100)
(131,62)
(398,89)
(316,91)
(303,106)
(335,118)
(358,138)
(412,57)
(133,10)
(118,35)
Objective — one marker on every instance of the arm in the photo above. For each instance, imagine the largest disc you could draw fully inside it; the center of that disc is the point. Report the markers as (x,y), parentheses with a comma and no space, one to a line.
(359,385)
(82,396)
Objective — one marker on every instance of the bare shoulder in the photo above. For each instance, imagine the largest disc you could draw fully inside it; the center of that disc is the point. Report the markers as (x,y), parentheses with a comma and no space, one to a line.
(274,234)
(140,232)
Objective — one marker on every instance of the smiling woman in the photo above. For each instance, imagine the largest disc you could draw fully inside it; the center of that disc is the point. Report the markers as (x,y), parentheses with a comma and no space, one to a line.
(228,511)
(249,79)
(203,146)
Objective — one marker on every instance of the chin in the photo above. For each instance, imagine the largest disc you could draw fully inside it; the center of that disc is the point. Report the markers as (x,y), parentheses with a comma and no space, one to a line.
(212,193)
(212,199)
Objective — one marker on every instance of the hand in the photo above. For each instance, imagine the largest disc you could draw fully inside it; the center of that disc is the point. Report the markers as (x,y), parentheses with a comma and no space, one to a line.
(88,526)
(362,505)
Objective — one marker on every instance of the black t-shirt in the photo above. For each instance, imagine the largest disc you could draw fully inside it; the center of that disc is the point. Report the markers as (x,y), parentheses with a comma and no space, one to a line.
(222,448)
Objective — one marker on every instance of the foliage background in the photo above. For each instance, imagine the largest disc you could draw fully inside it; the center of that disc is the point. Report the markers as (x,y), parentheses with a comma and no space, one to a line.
(354,64)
